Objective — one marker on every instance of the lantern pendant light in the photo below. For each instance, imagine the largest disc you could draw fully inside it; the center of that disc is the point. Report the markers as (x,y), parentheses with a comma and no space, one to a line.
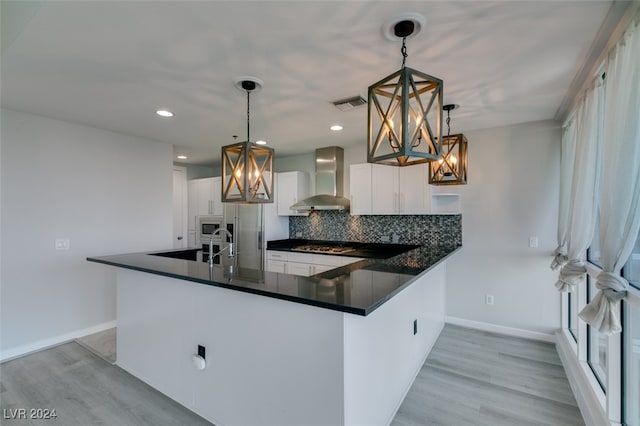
(451,169)
(405,113)
(247,168)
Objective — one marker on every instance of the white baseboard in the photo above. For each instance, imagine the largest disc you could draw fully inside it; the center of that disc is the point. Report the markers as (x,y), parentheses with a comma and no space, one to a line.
(583,385)
(500,329)
(23,350)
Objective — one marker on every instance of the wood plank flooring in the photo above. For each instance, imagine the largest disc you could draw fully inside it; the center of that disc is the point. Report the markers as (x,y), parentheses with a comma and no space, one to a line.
(477,378)
(470,378)
(103,344)
(85,390)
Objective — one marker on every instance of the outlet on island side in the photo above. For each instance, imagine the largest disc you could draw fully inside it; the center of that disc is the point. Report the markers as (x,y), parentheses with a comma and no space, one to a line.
(488,299)
(415,327)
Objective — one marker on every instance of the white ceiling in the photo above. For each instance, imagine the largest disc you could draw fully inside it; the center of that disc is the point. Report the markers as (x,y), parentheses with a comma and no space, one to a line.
(112,64)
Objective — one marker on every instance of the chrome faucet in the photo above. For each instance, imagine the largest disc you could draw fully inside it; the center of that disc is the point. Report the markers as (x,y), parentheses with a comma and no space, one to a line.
(230,246)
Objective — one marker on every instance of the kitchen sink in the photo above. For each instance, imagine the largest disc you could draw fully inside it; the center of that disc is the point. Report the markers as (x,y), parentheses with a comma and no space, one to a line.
(191,254)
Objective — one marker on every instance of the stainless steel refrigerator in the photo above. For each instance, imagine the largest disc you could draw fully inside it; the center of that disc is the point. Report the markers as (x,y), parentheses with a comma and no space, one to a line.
(246,222)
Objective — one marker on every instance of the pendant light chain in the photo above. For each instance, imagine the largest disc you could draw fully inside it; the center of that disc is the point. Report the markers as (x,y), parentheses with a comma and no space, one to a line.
(448,125)
(248,97)
(403,50)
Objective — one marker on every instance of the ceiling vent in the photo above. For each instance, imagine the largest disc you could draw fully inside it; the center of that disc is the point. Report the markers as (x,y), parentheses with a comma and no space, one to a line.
(349,103)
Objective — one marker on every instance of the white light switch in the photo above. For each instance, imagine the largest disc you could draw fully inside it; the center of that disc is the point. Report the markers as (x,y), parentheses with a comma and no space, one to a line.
(533,242)
(62,243)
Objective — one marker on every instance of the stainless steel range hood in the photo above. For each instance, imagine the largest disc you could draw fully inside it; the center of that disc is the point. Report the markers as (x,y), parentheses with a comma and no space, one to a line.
(329,182)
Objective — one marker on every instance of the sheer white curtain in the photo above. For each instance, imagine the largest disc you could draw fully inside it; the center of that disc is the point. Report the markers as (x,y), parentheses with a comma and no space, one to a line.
(620,191)
(583,198)
(567,157)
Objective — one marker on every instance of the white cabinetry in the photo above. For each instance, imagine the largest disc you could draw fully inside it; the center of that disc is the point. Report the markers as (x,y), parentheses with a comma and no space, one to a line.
(204,200)
(205,197)
(360,189)
(385,196)
(276,261)
(414,190)
(377,189)
(304,264)
(445,203)
(291,188)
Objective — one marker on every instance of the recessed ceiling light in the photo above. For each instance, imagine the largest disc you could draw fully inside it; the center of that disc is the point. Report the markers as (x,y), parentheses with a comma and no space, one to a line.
(261,142)
(182,157)
(164,113)
(336,127)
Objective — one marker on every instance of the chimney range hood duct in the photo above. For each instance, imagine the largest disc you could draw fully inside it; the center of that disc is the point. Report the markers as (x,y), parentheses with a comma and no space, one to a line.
(329,182)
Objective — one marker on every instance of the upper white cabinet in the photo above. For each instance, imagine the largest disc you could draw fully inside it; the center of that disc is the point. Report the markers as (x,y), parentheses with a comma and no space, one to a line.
(217,208)
(445,203)
(385,197)
(360,189)
(291,188)
(204,198)
(414,191)
(379,189)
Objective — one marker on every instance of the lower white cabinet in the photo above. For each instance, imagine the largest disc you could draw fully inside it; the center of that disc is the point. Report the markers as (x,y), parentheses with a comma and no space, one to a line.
(276,266)
(302,269)
(304,264)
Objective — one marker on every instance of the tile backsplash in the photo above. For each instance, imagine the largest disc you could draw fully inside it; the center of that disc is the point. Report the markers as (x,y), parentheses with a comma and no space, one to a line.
(330,225)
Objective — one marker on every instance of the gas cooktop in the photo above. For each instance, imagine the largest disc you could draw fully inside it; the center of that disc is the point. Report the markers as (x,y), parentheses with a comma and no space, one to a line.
(326,249)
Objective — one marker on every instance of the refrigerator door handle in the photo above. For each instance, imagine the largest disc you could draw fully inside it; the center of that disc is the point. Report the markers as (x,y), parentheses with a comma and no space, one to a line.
(260,239)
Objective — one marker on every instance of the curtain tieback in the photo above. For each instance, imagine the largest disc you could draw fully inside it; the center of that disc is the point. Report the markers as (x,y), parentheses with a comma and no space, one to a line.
(570,275)
(560,258)
(573,271)
(602,312)
(613,286)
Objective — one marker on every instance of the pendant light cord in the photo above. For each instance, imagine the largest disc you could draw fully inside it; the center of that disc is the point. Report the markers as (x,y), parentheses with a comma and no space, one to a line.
(403,50)
(248,93)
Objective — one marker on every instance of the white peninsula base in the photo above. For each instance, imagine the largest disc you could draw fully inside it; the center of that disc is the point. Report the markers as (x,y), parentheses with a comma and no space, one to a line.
(275,362)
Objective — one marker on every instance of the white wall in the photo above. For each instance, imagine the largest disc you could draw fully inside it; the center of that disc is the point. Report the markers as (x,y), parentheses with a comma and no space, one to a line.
(106,192)
(512,194)
(198,172)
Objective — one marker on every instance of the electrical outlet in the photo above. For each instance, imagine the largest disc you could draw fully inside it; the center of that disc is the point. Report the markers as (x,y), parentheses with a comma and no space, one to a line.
(533,242)
(385,239)
(298,234)
(488,299)
(62,243)
(415,327)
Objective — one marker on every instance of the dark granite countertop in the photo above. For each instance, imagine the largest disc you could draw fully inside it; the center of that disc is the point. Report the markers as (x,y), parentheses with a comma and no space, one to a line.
(358,288)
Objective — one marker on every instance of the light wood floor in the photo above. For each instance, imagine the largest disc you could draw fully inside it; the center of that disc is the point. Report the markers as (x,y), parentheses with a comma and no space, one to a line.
(470,378)
(478,378)
(85,390)
(103,344)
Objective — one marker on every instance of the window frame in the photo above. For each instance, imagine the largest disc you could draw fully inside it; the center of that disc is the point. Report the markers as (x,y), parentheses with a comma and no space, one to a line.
(590,331)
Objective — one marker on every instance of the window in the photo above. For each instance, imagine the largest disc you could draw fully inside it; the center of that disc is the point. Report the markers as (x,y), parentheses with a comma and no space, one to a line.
(631,366)
(596,344)
(573,314)
(632,268)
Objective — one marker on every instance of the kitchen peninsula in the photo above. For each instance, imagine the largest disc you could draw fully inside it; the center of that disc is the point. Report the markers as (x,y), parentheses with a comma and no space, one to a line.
(337,348)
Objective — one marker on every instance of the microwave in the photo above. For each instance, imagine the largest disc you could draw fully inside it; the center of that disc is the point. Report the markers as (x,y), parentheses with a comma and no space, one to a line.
(207,225)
